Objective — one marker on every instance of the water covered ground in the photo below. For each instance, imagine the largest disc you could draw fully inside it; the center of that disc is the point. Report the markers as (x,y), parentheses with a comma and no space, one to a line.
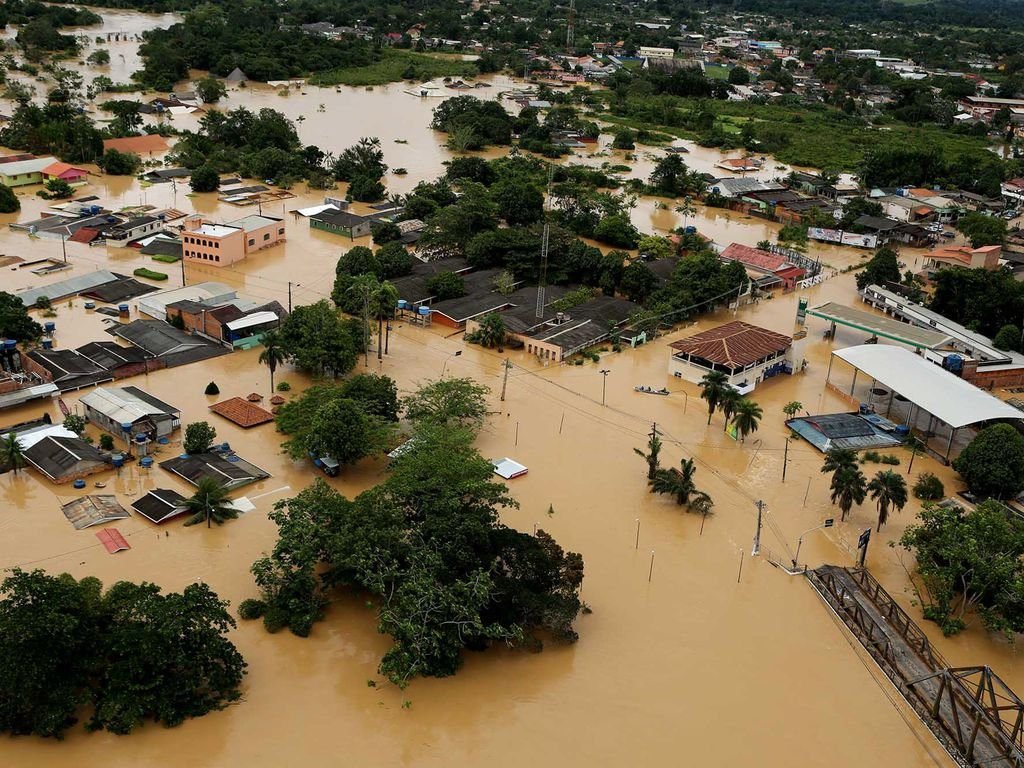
(700,664)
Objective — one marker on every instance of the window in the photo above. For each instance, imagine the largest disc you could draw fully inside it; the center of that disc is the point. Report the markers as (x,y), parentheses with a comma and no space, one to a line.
(280,231)
(216,257)
(252,241)
(266,237)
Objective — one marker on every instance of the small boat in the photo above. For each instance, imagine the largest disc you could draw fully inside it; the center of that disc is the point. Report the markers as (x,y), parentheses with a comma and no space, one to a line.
(100,484)
(651,391)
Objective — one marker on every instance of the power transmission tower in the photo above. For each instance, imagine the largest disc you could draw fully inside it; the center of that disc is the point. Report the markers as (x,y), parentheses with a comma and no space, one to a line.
(570,29)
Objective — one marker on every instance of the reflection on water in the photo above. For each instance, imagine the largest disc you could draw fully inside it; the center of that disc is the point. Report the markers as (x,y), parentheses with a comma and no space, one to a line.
(689,667)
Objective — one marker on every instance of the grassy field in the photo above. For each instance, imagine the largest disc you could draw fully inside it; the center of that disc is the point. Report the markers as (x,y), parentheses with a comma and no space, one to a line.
(716,72)
(397,65)
(799,135)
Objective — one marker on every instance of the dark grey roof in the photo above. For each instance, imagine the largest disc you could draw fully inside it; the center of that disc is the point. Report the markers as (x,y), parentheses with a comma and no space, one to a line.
(61,457)
(340,218)
(166,174)
(162,247)
(110,355)
(588,323)
(155,336)
(63,363)
(878,223)
(160,505)
(122,289)
(229,472)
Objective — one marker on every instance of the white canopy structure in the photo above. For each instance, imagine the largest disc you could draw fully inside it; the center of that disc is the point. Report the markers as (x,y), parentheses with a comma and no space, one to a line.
(942,395)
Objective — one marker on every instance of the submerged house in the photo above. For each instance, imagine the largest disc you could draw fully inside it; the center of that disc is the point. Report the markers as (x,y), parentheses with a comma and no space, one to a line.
(65,459)
(112,408)
(745,353)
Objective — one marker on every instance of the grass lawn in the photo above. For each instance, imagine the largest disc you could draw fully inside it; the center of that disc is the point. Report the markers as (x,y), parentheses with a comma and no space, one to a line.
(395,65)
(716,72)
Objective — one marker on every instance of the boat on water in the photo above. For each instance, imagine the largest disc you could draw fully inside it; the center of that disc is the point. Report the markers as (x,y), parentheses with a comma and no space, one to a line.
(651,390)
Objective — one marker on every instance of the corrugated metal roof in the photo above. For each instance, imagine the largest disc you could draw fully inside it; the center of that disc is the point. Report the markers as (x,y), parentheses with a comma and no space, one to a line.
(70,287)
(256,318)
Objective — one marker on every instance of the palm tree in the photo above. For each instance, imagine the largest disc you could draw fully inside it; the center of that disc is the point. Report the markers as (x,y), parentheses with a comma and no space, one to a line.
(209,503)
(686,209)
(273,353)
(888,490)
(651,457)
(11,453)
(712,386)
(837,459)
(849,487)
(727,404)
(747,417)
(679,483)
(385,300)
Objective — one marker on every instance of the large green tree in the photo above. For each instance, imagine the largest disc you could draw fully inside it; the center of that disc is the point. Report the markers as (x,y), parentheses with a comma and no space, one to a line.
(889,491)
(992,464)
(447,403)
(15,322)
(317,340)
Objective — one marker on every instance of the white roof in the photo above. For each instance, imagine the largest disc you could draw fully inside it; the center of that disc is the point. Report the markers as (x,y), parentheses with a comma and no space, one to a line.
(942,394)
(35,165)
(508,468)
(313,210)
(119,405)
(30,437)
(256,318)
(155,304)
(253,221)
(214,230)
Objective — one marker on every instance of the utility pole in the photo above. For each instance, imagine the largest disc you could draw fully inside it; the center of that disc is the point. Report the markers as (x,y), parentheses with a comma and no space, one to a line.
(570,29)
(756,549)
(504,382)
(366,326)
(862,545)
(64,247)
(785,460)
(604,383)
(183,281)
(289,297)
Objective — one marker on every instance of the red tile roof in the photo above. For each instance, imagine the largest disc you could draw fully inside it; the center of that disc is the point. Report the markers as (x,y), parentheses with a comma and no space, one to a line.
(85,235)
(242,412)
(753,257)
(734,344)
(58,169)
(137,144)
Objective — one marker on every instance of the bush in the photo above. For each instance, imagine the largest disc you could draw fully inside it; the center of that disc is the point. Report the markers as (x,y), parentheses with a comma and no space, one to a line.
(199,436)
(107,442)
(283,386)
(891,460)
(873,456)
(149,274)
(929,488)
(119,163)
(213,389)
(9,202)
(993,464)
(252,609)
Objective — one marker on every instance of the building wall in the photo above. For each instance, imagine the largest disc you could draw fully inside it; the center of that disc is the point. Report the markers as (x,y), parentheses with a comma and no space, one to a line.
(22,179)
(359,230)
(200,323)
(694,373)
(438,319)
(264,237)
(218,251)
(137,233)
(542,350)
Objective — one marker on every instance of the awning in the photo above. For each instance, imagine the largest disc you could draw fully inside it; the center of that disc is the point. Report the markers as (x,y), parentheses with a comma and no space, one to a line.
(256,318)
(19,396)
(945,396)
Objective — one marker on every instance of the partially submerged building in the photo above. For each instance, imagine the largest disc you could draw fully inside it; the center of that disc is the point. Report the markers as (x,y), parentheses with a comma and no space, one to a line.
(129,409)
(220,245)
(65,459)
(228,471)
(745,353)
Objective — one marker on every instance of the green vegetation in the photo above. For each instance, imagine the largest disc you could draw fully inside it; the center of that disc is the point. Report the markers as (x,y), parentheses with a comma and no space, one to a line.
(970,561)
(273,353)
(491,332)
(680,485)
(929,488)
(149,274)
(166,258)
(199,435)
(15,322)
(651,457)
(427,544)
(982,230)
(984,300)
(394,65)
(209,503)
(889,491)
(212,389)
(882,269)
(120,657)
(119,163)
(9,202)
(320,342)
(992,464)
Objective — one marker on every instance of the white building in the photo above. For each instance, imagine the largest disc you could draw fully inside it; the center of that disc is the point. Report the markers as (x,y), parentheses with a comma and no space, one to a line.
(647,52)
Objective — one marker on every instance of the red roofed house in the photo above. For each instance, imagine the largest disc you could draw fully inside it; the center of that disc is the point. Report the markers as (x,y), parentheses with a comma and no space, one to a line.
(745,353)
(986,257)
(762,263)
(65,172)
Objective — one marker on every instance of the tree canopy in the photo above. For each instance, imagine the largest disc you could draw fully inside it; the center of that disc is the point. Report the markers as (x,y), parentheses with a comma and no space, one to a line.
(992,464)
(15,322)
(121,657)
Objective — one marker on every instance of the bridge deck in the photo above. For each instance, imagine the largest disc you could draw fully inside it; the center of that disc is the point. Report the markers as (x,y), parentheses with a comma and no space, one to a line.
(976,717)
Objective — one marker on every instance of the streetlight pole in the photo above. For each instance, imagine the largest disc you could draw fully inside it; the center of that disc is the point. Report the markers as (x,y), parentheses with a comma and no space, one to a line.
(829,522)
(604,384)
(453,354)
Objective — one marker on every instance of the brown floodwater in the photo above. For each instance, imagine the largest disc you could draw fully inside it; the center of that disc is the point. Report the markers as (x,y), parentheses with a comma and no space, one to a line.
(692,662)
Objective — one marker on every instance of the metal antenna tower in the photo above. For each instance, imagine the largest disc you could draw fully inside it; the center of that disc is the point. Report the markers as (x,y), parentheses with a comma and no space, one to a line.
(570,29)
(542,281)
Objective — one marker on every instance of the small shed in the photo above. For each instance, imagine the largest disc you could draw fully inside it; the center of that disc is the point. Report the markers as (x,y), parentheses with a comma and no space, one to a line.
(88,511)
(160,505)
(508,468)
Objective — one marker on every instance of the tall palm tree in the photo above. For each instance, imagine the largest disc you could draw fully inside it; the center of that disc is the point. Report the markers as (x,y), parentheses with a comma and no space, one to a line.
(679,483)
(747,417)
(839,458)
(727,403)
(209,503)
(849,487)
(273,353)
(385,300)
(687,209)
(11,453)
(888,490)
(653,452)
(712,386)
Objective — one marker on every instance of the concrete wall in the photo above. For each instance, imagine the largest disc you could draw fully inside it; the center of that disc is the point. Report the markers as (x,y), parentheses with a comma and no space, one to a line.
(218,251)
(264,237)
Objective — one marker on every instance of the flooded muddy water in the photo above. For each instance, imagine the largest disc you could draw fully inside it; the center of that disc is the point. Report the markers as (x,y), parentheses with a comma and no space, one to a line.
(693,661)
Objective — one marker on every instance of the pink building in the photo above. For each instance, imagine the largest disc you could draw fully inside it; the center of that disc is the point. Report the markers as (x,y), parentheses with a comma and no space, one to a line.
(65,172)
(224,244)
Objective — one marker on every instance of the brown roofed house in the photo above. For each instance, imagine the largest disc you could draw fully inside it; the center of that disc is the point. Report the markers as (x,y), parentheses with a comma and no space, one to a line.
(745,353)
